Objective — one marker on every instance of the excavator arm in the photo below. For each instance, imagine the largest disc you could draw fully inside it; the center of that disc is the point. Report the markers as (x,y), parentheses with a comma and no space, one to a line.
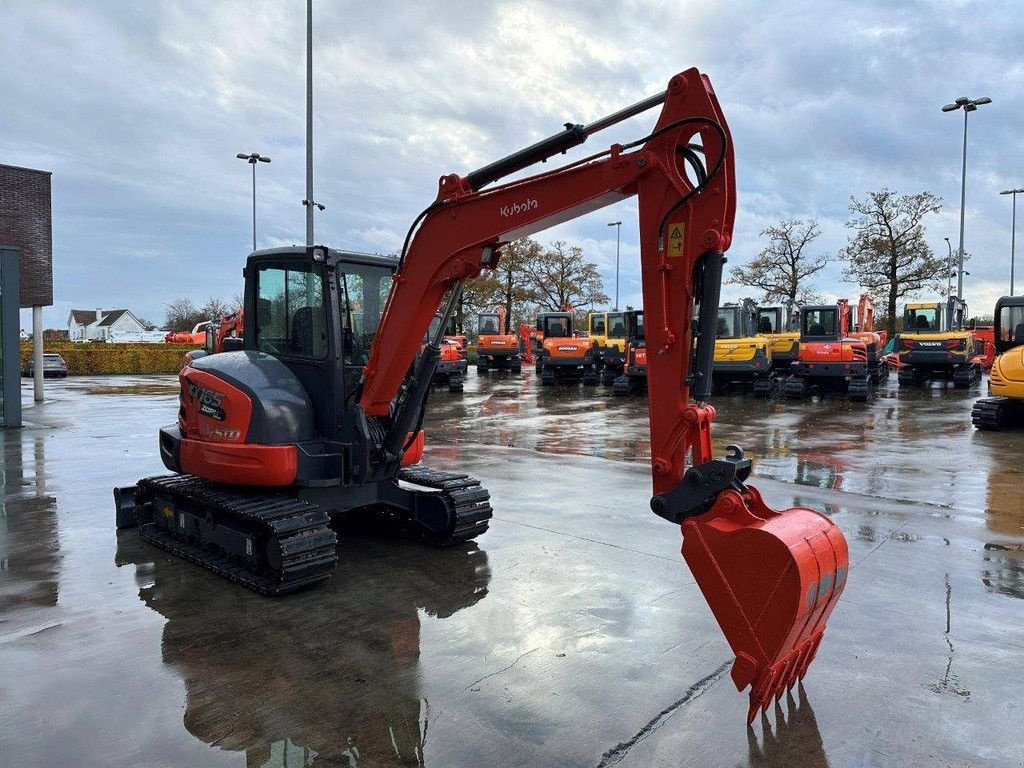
(771,578)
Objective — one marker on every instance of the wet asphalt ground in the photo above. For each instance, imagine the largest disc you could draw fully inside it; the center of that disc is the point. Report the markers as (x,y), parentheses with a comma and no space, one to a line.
(572,634)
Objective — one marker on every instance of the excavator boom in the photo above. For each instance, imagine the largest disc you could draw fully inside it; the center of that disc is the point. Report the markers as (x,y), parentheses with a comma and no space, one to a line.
(771,578)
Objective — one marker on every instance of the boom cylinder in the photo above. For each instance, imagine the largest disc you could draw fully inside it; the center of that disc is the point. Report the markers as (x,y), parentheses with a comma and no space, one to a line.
(572,136)
(711,291)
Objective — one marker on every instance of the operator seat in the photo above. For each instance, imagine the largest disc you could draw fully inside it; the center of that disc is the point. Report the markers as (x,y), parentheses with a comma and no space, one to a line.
(921,323)
(618,330)
(764,325)
(816,330)
(723,329)
(304,333)
(489,327)
(1018,334)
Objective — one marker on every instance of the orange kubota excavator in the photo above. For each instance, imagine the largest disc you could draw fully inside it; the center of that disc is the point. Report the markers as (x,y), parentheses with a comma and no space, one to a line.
(319,416)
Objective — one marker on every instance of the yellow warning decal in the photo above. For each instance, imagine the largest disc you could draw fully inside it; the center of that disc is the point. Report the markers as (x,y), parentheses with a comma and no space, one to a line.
(168,511)
(676,235)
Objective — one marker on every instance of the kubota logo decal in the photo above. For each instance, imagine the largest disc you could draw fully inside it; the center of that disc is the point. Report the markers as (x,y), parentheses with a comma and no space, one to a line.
(511,210)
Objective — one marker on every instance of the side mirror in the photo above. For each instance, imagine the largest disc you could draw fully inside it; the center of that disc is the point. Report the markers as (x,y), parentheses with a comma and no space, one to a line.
(972,324)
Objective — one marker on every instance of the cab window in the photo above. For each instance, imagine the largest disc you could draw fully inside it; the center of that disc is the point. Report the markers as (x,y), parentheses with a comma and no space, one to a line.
(820,322)
(597,325)
(727,327)
(769,321)
(926,319)
(557,327)
(1011,325)
(616,326)
(488,324)
(290,313)
(363,291)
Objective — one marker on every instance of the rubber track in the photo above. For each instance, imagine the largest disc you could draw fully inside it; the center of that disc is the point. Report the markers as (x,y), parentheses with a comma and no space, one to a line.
(464,494)
(307,543)
(988,414)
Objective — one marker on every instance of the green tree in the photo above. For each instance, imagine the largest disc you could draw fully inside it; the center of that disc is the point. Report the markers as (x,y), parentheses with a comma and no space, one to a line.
(783,266)
(887,253)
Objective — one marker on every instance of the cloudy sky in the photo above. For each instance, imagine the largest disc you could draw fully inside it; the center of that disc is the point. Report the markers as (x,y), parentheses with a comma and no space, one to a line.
(140,108)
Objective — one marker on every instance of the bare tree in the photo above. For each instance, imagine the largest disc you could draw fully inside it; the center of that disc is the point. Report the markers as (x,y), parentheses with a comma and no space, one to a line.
(560,275)
(215,309)
(887,253)
(782,268)
(182,315)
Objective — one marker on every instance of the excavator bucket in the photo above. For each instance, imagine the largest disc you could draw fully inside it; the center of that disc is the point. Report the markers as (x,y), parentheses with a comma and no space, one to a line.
(771,579)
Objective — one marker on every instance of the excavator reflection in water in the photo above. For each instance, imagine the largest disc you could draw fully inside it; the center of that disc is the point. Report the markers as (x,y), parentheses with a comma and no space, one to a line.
(343,692)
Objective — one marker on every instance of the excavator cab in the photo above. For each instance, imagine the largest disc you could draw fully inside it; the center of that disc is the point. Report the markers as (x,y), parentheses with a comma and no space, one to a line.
(633,378)
(488,324)
(556,325)
(1004,409)
(743,357)
(608,335)
(819,323)
(780,326)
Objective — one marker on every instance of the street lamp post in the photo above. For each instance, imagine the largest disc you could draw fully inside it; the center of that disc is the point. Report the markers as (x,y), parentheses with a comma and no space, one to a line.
(252,158)
(949,268)
(1013,230)
(618,232)
(968,105)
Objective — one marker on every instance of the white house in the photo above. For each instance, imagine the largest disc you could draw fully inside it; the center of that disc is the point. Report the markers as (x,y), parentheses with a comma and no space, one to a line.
(101,325)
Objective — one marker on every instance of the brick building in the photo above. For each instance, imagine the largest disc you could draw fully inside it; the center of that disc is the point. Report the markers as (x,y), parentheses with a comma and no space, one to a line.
(26,227)
(25,224)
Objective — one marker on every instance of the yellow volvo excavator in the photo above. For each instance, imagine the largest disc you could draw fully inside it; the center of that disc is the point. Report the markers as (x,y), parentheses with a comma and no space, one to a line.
(779,325)
(935,344)
(1005,409)
(743,358)
(608,336)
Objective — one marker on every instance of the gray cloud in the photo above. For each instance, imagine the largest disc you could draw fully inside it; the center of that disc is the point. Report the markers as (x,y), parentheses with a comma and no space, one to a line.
(139,111)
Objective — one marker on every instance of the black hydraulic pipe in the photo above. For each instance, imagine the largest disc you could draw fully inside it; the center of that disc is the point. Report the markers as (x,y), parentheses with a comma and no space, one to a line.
(707,322)
(572,136)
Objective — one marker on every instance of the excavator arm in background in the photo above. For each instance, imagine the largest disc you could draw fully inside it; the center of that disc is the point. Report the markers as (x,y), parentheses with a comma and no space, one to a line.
(771,578)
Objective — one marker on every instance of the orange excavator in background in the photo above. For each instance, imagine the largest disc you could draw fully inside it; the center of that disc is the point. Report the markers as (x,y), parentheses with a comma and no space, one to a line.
(452,365)
(835,355)
(827,359)
(563,356)
(196,336)
(863,327)
(319,418)
(495,347)
(526,342)
(223,335)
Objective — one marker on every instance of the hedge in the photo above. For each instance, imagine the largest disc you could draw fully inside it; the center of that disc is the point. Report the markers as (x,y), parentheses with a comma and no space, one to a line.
(92,359)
